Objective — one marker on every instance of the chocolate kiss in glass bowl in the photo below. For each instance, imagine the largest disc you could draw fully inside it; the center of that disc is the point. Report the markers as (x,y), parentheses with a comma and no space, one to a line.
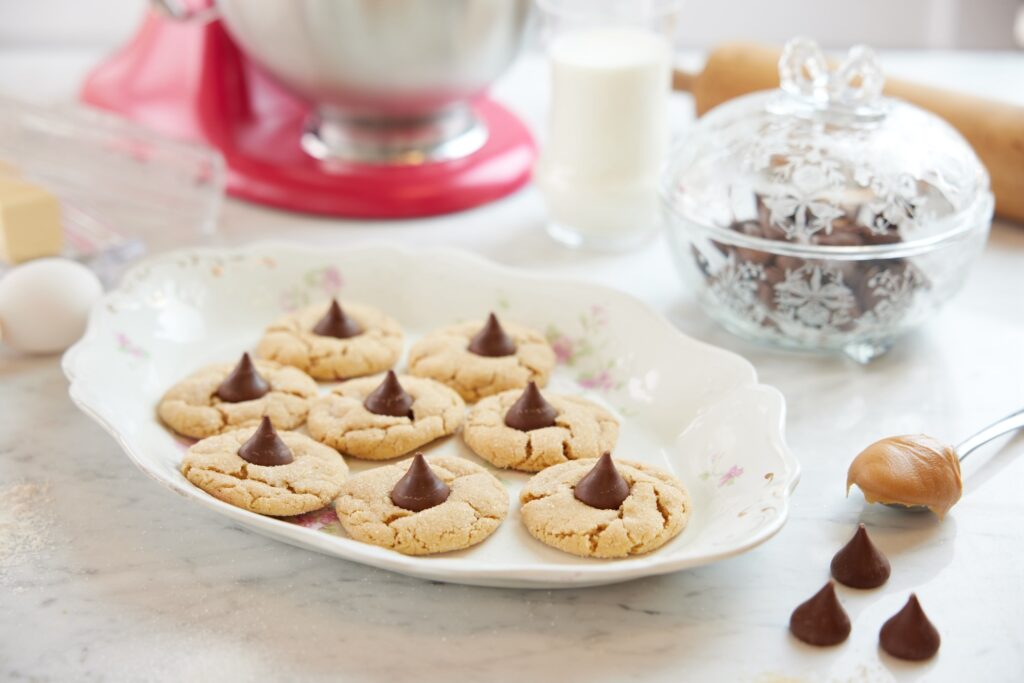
(824,216)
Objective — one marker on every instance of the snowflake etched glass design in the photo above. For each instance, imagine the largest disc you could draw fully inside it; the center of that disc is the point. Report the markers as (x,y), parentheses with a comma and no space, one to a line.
(736,284)
(810,166)
(813,216)
(816,297)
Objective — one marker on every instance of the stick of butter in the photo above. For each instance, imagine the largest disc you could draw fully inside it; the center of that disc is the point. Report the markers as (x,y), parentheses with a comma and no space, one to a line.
(29,221)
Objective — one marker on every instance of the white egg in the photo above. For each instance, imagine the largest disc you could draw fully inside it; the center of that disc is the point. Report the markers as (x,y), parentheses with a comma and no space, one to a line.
(44,304)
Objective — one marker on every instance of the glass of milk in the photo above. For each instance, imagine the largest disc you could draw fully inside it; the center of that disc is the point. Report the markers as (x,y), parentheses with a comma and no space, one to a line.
(607,135)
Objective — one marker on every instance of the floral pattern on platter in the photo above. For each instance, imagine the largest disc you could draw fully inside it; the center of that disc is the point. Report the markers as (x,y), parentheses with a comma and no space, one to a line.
(126,345)
(324,519)
(721,476)
(316,283)
(750,516)
(217,266)
(583,352)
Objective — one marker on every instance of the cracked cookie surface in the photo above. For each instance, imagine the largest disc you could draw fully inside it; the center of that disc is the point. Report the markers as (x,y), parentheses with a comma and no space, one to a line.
(340,420)
(443,355)
(475,507)
(656,510)
(290,340)
(311,481)
(582,429)
(192,408)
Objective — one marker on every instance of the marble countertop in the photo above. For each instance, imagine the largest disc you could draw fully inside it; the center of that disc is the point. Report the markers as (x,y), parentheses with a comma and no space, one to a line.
(106,576)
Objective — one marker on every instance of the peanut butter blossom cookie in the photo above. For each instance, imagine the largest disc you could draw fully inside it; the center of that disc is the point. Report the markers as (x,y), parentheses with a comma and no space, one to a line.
(601,508)
(277,474)
(480,359)
(377,418)
(330,342)
(224,397)
(528,431)
(423,506)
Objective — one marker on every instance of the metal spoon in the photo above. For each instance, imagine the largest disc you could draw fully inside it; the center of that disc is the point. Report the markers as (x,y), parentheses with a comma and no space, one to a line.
(1011,422)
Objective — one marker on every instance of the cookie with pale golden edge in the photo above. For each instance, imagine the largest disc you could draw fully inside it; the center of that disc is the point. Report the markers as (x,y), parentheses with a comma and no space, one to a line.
(341,421)
(475,507)
(311,481)
(192,408)
(291,340)
(444,355)
(582,429)
(656,510)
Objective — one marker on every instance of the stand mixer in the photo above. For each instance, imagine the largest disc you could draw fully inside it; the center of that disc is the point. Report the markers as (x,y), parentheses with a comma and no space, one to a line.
(357,108)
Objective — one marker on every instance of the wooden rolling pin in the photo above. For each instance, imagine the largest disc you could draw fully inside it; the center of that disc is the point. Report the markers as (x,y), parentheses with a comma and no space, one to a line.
(995,129)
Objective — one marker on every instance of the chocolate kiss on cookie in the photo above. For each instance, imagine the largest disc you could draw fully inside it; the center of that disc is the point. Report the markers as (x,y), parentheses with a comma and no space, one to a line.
(419,488)
(243,384)
(860,564)
(492,340)
(265,447)
(909,634)
(389,398)
(821,620)
(336,323)
(530,411)
(602,487)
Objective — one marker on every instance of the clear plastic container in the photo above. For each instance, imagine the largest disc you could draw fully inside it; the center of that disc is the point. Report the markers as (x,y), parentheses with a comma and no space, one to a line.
(123,189)
(825,216)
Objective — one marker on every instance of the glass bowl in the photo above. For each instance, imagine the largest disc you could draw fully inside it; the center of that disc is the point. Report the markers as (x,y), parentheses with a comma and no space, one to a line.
(824,216)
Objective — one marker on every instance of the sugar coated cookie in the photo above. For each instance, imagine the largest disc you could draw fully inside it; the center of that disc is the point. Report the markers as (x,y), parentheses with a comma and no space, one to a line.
(309,475)
(654,508)
(505,429)
(229,396)
(482,358)
(454,504)
(408,413)
(331,341)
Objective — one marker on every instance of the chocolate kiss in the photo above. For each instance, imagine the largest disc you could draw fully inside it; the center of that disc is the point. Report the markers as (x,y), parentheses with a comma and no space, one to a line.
(492,340)
(821,620)
(336,324)
(389,398)
(602,487)
(909,634)
(860,564)
(419,488)
(243,384)
(265,447)
(531,411)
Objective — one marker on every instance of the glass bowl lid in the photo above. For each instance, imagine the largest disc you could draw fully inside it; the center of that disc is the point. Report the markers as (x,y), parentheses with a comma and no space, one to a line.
(828,162)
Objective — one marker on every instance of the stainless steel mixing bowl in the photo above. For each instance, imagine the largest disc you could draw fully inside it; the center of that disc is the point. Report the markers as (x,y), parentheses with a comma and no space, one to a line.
(391,79)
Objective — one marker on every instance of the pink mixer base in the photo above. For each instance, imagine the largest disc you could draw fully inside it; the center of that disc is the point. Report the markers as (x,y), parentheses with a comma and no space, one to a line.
(190,81)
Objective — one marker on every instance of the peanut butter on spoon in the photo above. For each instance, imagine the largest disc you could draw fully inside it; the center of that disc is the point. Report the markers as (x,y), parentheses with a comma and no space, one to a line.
(914,470)
(919,472)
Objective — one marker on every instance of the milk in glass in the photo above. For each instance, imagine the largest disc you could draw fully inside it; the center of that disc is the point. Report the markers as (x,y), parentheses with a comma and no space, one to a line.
(607,135)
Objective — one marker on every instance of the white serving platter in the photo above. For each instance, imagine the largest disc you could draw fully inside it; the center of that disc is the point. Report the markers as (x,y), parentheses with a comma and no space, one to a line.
(691,408)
